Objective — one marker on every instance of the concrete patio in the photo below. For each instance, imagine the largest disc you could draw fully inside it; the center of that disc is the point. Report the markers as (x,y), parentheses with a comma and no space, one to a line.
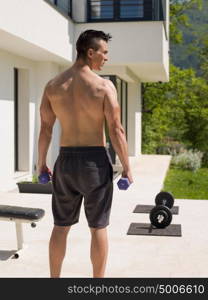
(129,255)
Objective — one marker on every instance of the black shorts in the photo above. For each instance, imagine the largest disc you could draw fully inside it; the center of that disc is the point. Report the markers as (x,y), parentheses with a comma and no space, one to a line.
(82,172)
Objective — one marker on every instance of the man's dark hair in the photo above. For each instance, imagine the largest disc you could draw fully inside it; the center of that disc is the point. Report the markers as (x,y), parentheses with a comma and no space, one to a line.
(89,39)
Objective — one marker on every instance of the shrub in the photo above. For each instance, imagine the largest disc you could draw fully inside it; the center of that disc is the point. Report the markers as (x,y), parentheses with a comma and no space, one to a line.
(188,160)
(170,147)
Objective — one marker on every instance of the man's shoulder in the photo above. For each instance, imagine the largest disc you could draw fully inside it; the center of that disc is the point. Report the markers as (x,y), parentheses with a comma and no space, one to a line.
(99,82)
(49,87)
(108,85)
(53,84)
(103,82)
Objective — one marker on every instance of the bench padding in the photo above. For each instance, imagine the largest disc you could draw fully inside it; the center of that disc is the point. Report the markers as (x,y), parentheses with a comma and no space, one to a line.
(18,212)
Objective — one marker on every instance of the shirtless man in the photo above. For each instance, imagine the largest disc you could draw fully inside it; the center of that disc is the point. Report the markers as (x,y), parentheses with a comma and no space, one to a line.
(81,101)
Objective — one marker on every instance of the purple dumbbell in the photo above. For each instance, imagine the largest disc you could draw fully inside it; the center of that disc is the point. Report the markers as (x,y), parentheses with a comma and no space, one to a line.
(44,177)
(123,183)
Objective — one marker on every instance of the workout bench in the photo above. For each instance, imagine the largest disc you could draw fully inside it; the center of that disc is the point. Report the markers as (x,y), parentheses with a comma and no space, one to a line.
(20,215)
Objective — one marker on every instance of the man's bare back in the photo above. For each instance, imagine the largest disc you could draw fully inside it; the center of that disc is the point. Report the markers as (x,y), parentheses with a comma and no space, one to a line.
(77,97)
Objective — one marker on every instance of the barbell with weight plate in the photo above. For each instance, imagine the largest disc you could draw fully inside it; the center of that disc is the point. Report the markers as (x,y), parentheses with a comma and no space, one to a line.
(160,216)
(164,198)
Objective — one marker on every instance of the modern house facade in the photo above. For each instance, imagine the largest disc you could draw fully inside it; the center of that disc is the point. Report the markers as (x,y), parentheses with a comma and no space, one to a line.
(37,41)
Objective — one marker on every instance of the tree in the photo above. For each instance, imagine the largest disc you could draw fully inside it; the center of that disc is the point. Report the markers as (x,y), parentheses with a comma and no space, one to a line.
(177,110)
(203,58)
(191,52)
(178,18)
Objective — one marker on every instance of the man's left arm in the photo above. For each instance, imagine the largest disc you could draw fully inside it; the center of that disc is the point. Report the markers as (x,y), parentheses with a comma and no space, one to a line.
(48,119)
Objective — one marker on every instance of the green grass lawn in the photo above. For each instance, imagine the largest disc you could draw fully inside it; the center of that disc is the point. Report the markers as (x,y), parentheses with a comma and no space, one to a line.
(187,184)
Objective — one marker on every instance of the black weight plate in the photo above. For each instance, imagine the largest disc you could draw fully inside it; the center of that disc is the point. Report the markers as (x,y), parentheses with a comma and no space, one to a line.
(162,211)
(164,198)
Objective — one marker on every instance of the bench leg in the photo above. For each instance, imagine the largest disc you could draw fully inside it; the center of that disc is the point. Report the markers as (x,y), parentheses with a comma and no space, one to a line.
(19,234)
(20,241)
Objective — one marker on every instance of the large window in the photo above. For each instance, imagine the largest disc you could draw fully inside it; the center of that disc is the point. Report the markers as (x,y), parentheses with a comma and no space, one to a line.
(102,9)
(64,6)
(131,9)
(125,10)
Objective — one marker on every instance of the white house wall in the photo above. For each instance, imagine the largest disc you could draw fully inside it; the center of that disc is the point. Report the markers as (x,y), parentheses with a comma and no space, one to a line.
(34,29)
(33,77)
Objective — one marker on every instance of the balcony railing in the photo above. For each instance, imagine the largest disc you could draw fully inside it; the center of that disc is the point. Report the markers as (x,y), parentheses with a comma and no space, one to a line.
(126,10)
(64,6)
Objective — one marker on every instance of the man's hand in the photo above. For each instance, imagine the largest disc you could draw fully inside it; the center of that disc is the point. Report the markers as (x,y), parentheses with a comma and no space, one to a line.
(128,175)
(43,168)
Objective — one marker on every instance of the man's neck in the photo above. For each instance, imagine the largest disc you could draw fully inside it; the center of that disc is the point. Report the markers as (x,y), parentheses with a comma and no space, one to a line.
(81,64)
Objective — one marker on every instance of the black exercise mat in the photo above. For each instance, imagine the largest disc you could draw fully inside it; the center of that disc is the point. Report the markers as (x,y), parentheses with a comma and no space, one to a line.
(147,208)
(148,229)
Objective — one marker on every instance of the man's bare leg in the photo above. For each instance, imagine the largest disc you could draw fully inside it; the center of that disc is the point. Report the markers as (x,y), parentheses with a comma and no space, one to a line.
(57,249)
(99,251)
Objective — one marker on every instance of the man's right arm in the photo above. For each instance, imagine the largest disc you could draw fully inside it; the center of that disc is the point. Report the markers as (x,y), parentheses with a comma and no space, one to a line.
(116,131)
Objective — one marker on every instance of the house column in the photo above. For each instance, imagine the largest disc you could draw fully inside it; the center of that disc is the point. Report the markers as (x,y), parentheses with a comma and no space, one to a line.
(134,119)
